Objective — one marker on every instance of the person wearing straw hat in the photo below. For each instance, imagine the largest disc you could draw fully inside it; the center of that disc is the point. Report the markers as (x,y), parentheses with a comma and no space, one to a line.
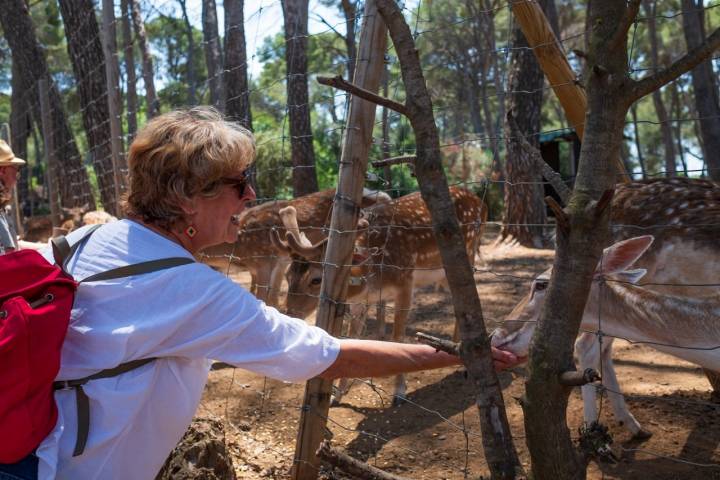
(9,170)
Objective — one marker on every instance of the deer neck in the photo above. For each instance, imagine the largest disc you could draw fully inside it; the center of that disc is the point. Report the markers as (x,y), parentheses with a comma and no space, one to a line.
(642,315)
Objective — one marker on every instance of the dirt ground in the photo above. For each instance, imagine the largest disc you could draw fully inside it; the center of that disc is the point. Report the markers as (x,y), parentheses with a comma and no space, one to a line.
(436,435)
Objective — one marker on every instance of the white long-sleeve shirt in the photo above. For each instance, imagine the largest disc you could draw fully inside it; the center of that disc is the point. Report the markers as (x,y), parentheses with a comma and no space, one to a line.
(184,315)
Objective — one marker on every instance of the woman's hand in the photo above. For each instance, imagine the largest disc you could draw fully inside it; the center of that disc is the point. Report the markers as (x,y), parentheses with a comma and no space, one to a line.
(504,359)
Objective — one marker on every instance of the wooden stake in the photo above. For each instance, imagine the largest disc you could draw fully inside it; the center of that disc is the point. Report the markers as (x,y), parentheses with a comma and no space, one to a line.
(112,79)
(351,179)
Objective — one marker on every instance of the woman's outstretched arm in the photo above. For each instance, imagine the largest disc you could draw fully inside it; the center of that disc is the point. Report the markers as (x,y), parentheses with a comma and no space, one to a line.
(372,358)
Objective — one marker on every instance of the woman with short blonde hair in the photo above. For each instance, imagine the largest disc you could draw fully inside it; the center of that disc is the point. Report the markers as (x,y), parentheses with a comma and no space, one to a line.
(179,155)
(187,185)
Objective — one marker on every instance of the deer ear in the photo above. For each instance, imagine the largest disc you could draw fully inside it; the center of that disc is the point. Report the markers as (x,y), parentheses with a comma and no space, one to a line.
(618,257)
(630,276)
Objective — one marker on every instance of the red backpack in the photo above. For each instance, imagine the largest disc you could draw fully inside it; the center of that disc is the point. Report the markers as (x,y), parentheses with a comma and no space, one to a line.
(35,302)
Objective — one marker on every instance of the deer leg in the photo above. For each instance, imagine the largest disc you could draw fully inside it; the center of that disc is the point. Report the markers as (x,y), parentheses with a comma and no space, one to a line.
(381,311)
(253,283)
(587,350)
(714,379)
(403,300)
(358,317)
(276,277)
(262,283)
(615,396)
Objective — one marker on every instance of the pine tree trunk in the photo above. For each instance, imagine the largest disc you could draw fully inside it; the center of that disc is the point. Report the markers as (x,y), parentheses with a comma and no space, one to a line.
(213,53)
(524,193)
(660,110)
(191,75)
(676,111)
(20,125)
(153,104)
(705,86)
(131,78)
(237,102)
(304,178)
(32,66)
(87,57)
(350,11)
(638,144)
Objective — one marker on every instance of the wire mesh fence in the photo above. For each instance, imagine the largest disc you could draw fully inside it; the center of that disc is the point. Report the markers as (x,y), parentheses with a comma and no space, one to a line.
(433,434)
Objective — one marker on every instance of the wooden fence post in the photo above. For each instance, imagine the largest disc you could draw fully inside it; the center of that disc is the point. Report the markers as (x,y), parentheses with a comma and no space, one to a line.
(351,179)
(50,163)
(112,77)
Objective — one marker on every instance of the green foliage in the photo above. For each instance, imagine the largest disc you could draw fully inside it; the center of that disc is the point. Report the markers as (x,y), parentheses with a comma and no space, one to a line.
(272,166)
(453,39)
(168,36)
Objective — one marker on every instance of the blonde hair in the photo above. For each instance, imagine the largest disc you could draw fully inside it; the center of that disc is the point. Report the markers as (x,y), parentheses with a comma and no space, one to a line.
(179,155)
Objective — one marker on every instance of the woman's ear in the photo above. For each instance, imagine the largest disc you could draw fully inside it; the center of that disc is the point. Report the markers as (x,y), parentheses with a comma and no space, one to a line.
(188,206)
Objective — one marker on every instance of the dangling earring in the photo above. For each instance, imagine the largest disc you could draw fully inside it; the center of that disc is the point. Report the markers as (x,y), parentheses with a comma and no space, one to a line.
(190,231)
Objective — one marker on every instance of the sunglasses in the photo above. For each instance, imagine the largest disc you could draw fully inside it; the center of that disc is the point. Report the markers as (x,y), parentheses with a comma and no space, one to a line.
(239,184)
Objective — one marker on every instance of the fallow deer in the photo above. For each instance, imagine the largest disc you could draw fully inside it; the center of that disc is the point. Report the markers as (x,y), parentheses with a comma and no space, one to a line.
(688,328)
(40,228)
(397,254)
(684,217)
(254,250)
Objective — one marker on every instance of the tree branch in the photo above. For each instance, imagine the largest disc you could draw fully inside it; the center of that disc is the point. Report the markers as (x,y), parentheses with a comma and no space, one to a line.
(689,61)
(440,344)
(334,30)
(352,466)
(547,172)
(403,159)
(341,84)
(620,35)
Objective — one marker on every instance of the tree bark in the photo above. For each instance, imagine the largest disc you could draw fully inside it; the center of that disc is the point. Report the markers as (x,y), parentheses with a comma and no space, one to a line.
(705,86)
(580,242)
(88,59)
(638,144)
(486,41)
(32,66)
(660,110)
(524,192)
(213,53)
(153,104)
(475,346)
(349,9)
(191,75)
(130,76)
(20,125)
(237,103)
(676,111)
(304,178)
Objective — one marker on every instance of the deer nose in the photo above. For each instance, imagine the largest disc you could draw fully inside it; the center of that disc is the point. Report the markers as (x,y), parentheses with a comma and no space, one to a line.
(497,336)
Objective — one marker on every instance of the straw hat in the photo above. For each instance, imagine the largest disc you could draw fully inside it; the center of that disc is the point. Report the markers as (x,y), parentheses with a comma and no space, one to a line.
(7,157)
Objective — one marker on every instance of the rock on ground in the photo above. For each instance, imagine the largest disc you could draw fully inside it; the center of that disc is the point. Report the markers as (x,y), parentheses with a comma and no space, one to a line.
(201,454)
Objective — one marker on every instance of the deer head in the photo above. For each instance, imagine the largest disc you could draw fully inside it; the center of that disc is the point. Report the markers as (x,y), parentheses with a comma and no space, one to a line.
(305,273)
(516,332)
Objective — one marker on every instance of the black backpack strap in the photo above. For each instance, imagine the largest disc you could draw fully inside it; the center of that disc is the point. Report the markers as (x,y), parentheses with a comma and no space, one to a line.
(83,402)
(139,269)
(62,251)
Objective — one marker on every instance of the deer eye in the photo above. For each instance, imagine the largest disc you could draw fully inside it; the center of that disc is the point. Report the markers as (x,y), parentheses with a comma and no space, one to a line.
(540,285)
(316,281)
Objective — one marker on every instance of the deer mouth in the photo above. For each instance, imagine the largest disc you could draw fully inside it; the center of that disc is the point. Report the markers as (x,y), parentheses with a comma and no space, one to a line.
(235,219)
